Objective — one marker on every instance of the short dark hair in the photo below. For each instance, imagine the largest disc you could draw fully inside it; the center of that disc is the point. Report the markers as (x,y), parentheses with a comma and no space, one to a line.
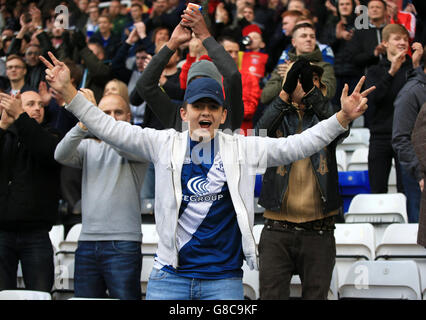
(224,38)
(302,25)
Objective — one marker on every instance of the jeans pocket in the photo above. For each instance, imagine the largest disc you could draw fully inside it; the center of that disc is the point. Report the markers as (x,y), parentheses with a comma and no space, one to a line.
(127,247)
(157,274)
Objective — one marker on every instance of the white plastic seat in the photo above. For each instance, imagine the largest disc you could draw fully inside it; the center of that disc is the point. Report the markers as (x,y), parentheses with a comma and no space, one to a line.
(341,159)
(149,248)
(24,295)
(377,208)
(354,242)
(358,137)
(380,209)
(381,280)
(251,277)
(400,243)
(64,271)
(358,160)
(56,236)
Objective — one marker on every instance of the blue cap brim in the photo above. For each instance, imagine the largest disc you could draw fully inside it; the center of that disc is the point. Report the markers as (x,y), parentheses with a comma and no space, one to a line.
(204,95)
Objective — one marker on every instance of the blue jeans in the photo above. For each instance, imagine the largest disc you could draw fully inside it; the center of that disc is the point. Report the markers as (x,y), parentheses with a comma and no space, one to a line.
(413,194)
(163,285)
(34,250)
(108,265)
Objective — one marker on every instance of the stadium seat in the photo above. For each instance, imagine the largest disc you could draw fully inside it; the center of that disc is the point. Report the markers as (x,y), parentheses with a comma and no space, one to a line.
(380,209)
(64,271)
(400,243)
(352,183)
(24,295)
(56,236)
(251,277)
(381,280)
(359,160)
(147,206)
(341,160)
(258,209)
(354,242)
(358,137)
(149,248)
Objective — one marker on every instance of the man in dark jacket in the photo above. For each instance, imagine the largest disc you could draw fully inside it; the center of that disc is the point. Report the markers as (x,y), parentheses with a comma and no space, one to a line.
(302,199)
(29,184)
(407,106)
(389,76)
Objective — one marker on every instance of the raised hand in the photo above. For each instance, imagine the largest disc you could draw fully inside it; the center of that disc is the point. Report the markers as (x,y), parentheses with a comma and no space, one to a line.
(5,120)
(88,94)
(193,19)
(58,77)
(12,105)
(353,106)
(179,36)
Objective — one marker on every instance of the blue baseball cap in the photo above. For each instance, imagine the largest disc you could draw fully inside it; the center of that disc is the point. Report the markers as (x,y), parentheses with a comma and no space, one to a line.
(200,88)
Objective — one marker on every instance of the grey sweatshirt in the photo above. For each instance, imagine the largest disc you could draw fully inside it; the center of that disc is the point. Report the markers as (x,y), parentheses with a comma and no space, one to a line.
(111,187)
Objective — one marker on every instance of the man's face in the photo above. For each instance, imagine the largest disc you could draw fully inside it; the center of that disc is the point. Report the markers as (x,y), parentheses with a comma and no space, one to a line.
(204,117)
(162,5)
(31,56)
(136,13)
(256,41)
(288,24)
(15,70)
(376,10)
(248,13)
(345,7)
(304,40)
(96,51)
(296,5)
(33,105)
(104,25)
(114,8)
(140,60)
(115,106)
(83,4)
(397,42)
(232,48)
(93,13)
(162,35)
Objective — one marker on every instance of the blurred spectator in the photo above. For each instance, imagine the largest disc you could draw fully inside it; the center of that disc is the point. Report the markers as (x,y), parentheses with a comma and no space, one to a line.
(91,25)
(304,45)
(118,20)
(16,69)
(106,37)
(407,19)
(389,76)
(158,17)
(337,33)
(407,106)
(250,85)
(297,5)
(29,198)
(366,46)
(253,59)
(419,138)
